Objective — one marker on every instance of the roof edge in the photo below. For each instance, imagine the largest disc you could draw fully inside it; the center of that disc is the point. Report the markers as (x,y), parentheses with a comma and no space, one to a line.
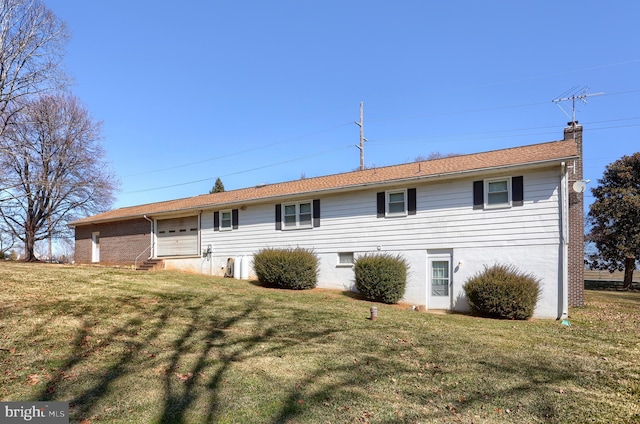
(342,189)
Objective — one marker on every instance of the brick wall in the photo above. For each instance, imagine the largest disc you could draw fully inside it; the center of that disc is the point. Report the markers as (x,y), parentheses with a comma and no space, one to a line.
(120,242)
(576,221)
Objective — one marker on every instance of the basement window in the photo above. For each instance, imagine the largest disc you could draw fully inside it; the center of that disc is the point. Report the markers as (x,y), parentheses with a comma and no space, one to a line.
(345,259)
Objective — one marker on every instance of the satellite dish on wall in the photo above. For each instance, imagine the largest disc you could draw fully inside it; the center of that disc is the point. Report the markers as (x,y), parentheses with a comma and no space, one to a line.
(579,186)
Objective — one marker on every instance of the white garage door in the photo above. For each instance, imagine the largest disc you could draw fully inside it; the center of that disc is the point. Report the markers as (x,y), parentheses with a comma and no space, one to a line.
(178,236)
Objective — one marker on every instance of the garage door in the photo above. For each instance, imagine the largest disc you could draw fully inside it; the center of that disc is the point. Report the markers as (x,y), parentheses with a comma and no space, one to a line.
(178,236)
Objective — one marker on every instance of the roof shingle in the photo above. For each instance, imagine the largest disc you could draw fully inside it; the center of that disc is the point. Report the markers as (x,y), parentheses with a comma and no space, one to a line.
(451,166)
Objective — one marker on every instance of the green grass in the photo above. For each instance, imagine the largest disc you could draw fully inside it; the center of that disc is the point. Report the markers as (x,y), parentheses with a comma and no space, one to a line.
(166,347)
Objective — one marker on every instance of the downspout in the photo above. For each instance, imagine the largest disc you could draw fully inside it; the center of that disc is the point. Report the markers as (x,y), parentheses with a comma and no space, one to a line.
(152,237)
(564,242)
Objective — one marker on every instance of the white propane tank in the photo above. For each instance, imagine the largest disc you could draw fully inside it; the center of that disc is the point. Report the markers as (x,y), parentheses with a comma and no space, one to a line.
(244,268)
(237,263)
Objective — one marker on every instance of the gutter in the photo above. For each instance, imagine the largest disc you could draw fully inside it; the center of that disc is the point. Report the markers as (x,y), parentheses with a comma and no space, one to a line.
(564,215)
(152,237)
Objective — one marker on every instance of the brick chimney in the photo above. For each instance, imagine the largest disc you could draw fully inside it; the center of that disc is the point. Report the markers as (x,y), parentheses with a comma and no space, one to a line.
(573,133)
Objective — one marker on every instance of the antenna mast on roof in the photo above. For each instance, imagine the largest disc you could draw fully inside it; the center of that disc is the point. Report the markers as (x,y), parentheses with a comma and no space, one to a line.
(362,139)
(576,94)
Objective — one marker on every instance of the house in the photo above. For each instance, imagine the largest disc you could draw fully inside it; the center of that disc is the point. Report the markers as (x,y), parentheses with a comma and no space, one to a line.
(447,217)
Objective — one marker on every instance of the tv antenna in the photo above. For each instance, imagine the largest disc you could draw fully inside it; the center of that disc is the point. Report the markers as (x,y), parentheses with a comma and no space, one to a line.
(573,94)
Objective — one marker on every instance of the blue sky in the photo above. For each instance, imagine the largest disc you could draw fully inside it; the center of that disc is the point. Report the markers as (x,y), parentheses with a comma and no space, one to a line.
(262,92)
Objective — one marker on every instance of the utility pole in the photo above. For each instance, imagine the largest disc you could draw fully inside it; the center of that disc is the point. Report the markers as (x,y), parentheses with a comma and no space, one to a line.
(362,139)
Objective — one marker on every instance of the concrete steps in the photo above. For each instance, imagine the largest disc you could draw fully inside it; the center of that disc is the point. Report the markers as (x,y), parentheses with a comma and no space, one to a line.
(150,265)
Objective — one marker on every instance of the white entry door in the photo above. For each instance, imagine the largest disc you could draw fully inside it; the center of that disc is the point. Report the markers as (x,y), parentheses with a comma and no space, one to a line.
(95,247)
(439,282)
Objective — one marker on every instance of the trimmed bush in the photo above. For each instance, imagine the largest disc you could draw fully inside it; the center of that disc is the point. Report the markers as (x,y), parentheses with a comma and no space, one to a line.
(381,278)
(295,269)
(502,291)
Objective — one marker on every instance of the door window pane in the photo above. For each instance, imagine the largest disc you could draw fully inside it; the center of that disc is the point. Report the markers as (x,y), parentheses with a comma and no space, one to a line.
(440,278)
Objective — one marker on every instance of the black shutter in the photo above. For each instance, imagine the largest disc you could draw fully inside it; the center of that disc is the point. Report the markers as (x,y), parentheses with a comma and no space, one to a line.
(381,204)
(278,217)
(478,195)
(411,201)
(517,187)
(316,212)
(216,221)
(234,218)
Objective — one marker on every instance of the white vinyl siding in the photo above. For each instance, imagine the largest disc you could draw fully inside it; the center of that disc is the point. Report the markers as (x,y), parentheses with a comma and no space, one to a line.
(528,236)
(350,222)
(178,236)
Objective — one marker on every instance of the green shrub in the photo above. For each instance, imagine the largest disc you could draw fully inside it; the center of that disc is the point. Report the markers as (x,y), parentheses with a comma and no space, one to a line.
(287,268)
(382,278)
(502,291)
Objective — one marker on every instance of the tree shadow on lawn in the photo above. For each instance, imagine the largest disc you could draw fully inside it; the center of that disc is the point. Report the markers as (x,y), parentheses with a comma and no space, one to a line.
(194,362)
(200,341)
(429,393)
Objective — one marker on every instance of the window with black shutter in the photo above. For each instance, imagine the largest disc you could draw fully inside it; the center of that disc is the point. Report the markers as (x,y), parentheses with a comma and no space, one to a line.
(500,192)
(393,203)
(298,215)
(225,220)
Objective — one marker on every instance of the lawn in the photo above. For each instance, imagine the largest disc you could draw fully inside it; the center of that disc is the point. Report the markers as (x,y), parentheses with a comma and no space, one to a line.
(167,347)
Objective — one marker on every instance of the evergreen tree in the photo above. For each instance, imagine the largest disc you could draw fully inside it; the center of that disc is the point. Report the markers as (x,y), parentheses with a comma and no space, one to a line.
(218,187)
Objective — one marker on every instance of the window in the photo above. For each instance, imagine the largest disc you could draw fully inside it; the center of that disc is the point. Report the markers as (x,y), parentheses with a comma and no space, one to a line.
(225,220)
(396,203)
(297,215)
(345,258)
(498,193)
(291,216)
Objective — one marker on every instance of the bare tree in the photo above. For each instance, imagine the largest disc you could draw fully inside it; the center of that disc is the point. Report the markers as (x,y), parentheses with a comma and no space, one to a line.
(7,241)
(434,155)
(65,249)
(52,170)
(32,44)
